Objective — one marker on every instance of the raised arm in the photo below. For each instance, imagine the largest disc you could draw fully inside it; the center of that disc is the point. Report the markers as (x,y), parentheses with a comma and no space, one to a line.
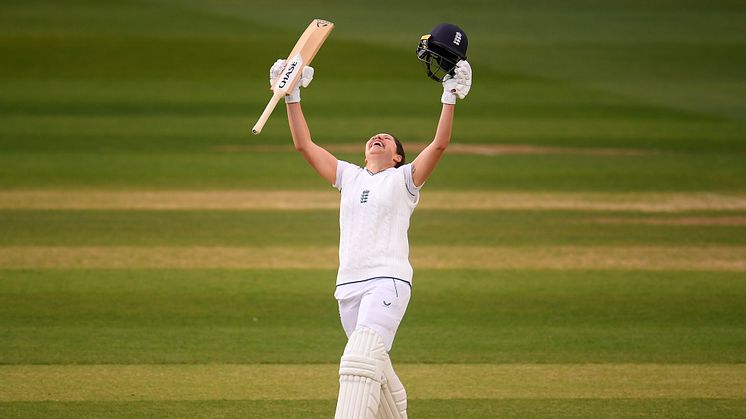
(428,158)
(321,160)
(453,87)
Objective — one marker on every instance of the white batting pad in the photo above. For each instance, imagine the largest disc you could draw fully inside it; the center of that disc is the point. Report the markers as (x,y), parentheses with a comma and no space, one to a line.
(393,396)
(360,375)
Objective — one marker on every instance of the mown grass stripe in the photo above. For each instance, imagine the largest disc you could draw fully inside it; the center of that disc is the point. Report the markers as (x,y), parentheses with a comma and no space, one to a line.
(710,258)
(311,200)
(417,408)
(315,382)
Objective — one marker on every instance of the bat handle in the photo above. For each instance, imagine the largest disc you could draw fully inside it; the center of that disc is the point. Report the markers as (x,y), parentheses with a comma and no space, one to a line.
(267,112)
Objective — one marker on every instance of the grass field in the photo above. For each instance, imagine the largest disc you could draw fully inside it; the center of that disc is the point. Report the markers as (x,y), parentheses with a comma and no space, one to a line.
(579,252)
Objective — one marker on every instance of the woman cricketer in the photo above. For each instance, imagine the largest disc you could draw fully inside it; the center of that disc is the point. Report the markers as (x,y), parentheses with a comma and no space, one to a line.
(374,281)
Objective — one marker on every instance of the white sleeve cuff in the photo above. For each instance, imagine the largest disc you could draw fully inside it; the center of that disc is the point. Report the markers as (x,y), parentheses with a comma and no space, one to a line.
(341,165)
(412,190)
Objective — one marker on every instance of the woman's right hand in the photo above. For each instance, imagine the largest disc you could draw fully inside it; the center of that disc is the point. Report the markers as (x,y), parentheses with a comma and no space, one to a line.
(305,79)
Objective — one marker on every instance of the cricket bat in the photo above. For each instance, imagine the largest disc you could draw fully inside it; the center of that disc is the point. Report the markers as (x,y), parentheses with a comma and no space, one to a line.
(302,54)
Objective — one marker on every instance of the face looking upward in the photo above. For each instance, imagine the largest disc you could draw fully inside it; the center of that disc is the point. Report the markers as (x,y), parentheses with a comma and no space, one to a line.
(380,151)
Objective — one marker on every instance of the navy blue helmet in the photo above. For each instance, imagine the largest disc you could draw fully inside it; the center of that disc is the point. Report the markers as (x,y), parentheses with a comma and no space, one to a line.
(441,49)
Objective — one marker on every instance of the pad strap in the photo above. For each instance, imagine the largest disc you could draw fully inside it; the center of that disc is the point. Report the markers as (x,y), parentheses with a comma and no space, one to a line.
(360,375)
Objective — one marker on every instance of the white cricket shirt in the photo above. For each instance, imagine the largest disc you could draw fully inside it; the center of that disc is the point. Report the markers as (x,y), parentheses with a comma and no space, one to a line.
(374,216)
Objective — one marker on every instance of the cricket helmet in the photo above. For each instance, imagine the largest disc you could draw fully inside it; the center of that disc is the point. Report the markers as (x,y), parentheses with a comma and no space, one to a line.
(441,49)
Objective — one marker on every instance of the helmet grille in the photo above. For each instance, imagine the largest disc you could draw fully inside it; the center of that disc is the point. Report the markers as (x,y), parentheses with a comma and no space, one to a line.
(435,60)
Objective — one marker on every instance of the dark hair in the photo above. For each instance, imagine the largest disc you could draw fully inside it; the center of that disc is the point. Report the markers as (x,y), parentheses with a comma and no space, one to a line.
(399,150)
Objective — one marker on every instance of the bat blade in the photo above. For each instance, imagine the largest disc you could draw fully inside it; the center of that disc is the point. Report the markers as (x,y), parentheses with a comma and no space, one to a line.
(302,54)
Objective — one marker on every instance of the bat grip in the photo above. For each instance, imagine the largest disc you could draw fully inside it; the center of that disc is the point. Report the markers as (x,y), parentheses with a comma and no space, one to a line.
(267,112)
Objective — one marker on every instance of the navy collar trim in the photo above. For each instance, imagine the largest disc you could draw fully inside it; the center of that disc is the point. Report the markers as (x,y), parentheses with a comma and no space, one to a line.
(373,174)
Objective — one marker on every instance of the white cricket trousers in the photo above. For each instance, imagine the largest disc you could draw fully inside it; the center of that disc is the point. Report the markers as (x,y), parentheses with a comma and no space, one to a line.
(378,304)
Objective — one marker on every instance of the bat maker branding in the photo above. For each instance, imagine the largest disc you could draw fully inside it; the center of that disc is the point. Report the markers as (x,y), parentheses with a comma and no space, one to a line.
(290,73)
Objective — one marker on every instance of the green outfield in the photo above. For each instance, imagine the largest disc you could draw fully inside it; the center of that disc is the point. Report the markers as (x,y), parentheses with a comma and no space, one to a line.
(579,252)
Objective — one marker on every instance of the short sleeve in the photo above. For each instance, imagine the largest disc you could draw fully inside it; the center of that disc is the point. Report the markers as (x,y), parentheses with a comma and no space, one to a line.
(412,190)
(342,167)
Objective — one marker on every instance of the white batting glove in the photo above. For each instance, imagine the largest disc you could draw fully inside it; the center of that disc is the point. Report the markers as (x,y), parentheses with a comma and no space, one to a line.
(275,70)
(458,85)
(305,79)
